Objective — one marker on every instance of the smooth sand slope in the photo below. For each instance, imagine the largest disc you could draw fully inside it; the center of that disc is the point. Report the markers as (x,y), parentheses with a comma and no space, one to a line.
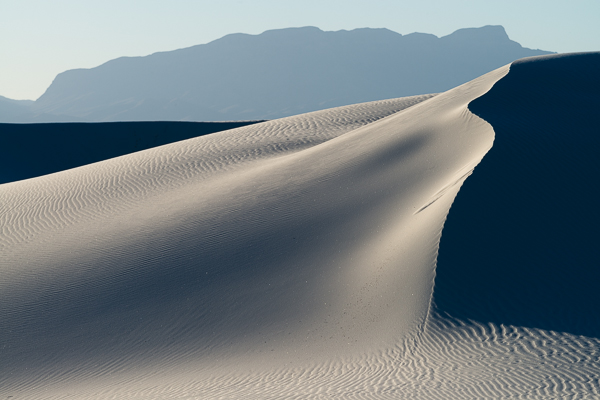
(289,259)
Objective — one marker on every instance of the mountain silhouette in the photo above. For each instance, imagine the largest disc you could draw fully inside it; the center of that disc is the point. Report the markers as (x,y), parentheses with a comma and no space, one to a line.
(14,110)
(21,111)
(277,74)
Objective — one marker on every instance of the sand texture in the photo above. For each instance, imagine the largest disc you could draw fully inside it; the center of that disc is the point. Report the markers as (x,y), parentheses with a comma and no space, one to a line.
(298,258)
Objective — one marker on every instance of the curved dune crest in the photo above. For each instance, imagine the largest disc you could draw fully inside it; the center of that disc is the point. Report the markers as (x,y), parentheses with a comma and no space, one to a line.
(289,259)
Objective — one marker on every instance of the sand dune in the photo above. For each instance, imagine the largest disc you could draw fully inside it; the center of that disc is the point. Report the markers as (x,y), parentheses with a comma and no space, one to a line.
(295,258)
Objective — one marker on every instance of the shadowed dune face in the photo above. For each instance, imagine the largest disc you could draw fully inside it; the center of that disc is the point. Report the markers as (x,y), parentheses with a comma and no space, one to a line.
(520,245)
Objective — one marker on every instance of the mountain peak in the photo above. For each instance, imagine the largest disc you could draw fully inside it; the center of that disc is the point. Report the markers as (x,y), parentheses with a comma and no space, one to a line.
(485,33)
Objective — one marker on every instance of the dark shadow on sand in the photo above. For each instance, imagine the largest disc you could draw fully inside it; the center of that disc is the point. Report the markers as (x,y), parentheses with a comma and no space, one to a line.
(520,245)
(31,150)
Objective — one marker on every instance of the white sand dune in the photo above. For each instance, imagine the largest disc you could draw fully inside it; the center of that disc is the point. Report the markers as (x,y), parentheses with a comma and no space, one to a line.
(289,259)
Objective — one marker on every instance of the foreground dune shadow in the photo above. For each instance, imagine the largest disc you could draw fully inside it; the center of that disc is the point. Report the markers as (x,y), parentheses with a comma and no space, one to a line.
(520,245)
(31,150)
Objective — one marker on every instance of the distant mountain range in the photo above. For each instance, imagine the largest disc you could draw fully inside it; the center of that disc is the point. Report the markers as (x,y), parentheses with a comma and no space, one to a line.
(272,75)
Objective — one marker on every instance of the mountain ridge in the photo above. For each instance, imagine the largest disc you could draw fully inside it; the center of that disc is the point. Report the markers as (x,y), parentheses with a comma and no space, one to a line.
(277,73)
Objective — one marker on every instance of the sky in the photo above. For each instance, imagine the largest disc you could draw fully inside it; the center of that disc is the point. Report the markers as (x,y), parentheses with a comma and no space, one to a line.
(41,38)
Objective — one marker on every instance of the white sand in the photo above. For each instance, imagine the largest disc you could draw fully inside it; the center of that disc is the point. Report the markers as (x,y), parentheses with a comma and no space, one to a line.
(289,259)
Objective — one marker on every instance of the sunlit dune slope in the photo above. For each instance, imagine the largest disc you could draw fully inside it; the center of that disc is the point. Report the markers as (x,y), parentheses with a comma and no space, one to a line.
(300,238)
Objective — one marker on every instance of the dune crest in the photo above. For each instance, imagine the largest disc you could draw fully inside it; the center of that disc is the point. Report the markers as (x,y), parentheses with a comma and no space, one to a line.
(294,258)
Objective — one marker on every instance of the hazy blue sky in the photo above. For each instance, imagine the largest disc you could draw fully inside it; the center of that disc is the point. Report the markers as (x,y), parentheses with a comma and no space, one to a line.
(41,38)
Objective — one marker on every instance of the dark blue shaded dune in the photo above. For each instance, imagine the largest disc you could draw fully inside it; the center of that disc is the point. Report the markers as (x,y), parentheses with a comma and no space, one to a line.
(520,245)
(30,150)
